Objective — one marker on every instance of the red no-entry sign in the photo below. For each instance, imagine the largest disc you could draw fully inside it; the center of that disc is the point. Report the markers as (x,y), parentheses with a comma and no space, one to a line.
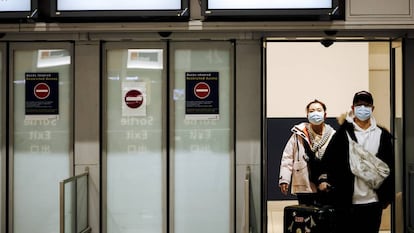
(202,90)
(41,91)
(134,99)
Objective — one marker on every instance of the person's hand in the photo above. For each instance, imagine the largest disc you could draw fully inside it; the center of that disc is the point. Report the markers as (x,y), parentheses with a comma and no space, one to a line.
(284,188)
(324,186)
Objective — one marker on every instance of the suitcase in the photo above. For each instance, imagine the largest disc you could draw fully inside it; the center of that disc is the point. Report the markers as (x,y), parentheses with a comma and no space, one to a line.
(304,218)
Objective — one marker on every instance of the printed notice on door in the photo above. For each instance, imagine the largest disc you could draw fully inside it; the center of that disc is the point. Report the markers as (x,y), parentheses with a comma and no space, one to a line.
(134,99)
(42,95)
(201,95)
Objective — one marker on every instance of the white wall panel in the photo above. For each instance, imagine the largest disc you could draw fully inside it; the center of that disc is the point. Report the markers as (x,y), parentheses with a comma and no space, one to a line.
(298,73)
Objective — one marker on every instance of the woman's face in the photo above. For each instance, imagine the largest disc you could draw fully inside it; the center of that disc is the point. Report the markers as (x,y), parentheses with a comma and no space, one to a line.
(316,114)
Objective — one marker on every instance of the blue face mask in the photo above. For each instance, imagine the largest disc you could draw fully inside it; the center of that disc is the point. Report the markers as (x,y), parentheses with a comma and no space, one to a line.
(362,112)
(316,118)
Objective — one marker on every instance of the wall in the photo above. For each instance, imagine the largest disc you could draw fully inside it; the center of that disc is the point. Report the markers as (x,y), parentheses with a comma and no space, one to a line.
(295,76)
(379,10)
(248,129)
(87,124)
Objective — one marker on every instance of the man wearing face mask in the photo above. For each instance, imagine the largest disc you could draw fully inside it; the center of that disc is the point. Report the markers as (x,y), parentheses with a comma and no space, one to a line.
(304,151)
(359,197)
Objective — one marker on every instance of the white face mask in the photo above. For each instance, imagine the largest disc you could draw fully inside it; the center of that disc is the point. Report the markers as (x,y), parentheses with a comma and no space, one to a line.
(316,118)
(362,112)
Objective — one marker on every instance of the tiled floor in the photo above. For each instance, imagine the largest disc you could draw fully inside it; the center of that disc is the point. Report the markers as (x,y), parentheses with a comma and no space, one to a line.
(275,216)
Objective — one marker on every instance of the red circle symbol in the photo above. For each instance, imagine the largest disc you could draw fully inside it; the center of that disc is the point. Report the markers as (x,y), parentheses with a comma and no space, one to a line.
(41,90)
(134,99)
(202,90)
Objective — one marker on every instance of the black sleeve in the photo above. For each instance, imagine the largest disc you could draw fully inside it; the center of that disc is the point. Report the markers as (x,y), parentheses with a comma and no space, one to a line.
(386,191)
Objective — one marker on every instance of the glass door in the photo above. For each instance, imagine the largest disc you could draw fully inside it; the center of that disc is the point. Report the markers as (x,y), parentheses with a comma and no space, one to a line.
(168,137)
(40,133)
(134,138)
(201,119)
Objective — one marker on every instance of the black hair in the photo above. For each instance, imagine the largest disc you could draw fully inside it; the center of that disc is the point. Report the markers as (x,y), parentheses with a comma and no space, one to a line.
(316,101)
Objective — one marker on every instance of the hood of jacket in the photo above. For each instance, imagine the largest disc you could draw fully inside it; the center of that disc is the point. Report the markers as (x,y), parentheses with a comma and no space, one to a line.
(301,130)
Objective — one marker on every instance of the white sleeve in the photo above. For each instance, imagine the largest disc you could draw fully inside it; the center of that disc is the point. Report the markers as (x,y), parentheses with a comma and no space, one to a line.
(286,162)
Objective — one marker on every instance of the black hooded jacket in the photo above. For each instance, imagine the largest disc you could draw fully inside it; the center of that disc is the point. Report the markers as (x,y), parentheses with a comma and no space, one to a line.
(336,165)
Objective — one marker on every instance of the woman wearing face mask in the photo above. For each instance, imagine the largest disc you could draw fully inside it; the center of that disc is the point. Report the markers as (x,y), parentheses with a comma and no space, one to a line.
(358,196)
(304,151)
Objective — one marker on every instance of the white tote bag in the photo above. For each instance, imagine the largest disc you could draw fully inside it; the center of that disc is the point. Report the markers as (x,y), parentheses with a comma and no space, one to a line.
(366,166)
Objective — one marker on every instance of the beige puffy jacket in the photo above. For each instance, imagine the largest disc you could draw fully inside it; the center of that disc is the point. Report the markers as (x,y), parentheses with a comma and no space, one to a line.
(294,166)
